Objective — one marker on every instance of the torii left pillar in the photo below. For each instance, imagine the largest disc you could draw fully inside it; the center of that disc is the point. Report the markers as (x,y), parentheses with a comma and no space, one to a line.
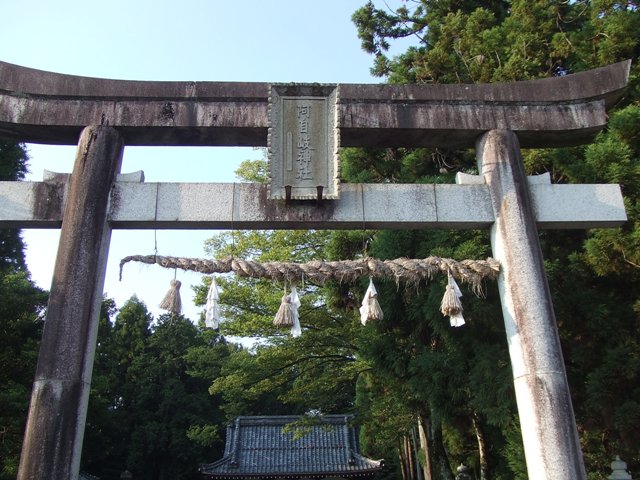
(57,413)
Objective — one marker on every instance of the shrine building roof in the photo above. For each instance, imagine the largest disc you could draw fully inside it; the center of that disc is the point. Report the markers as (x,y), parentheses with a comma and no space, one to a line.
(274,447)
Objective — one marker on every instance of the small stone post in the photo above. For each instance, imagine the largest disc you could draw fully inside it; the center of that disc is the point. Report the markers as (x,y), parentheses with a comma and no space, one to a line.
(55,427)
(551,443)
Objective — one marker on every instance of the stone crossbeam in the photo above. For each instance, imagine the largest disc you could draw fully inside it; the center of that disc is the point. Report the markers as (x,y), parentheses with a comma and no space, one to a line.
(46,107)
(378,206)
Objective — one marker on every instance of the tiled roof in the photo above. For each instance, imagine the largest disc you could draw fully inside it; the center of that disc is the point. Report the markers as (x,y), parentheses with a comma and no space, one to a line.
(259,447)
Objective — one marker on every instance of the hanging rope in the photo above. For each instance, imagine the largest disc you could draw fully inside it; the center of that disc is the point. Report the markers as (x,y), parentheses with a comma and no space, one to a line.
(412,271)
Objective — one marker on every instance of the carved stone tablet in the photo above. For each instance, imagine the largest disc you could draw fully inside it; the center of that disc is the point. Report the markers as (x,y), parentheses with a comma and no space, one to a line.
(303,142)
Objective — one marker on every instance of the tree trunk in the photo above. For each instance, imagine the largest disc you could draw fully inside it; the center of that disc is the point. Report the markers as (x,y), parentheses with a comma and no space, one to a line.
(482,446)
(409,458)
(423,426)
(403,463)
(416,454)
(440,461)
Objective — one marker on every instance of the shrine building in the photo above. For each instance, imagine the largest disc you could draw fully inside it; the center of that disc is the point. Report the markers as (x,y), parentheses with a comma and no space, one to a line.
(266,448)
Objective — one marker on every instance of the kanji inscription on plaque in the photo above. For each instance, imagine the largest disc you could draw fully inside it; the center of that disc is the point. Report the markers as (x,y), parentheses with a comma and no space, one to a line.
(303,142)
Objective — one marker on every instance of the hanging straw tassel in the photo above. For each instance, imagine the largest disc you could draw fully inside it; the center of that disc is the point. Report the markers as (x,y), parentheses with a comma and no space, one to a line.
(171,301)
(284,317)
(212,312)
(296,330)
(451,305)
(370,309)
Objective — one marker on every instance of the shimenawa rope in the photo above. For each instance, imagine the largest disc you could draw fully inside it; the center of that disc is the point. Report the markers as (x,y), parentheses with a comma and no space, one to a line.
(408,270)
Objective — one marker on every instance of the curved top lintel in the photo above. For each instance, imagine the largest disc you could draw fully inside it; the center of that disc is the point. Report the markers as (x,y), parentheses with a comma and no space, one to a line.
(604,82)
(19,80)
(47,107)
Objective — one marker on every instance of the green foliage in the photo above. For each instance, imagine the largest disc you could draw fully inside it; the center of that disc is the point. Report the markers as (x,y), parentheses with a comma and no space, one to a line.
(256,171)
(384,414)
(282,374)
(13,161)
(467,42)
(204,435)
(377,28)
(513,451)
(149,411)
(401,165)
(168,404)
(251,304)
(20,330)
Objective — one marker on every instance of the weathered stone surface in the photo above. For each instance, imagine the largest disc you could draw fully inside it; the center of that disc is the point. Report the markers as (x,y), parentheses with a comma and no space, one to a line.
(55,428)
(46,107)
(210,206)
(606,83)
(577,206)
(303,142)
(31,204)
(551,443)
(431,124)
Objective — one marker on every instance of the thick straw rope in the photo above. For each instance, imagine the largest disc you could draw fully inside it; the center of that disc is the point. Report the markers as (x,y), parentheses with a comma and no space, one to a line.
(412,271)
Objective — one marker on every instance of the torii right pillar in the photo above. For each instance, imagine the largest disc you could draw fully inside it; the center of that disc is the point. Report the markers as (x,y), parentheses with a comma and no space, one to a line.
(551,442)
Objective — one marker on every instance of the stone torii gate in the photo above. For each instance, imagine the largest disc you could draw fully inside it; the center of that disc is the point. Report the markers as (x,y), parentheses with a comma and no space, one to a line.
(102,116)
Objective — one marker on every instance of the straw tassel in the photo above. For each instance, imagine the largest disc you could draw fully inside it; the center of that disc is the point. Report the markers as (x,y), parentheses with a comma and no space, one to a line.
(370,309)
(451,305)
(296,330)
(284,317)
(212,312)
(172,301)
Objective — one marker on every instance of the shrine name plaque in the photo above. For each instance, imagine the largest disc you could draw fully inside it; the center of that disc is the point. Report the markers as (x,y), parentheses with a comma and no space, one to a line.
(303,142)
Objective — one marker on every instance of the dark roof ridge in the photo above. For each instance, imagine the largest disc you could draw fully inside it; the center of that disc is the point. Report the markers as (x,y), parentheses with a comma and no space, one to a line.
(273,419)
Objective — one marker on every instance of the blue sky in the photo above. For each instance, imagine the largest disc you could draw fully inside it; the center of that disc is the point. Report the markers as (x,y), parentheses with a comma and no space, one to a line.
(191,40)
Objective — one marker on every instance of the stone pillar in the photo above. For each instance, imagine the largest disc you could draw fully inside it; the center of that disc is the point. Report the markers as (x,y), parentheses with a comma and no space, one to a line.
(550,437)
(55,427)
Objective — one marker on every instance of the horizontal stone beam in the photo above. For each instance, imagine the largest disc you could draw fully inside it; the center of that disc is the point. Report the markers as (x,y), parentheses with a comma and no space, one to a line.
(46,107)
(374,206)
(457,126)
